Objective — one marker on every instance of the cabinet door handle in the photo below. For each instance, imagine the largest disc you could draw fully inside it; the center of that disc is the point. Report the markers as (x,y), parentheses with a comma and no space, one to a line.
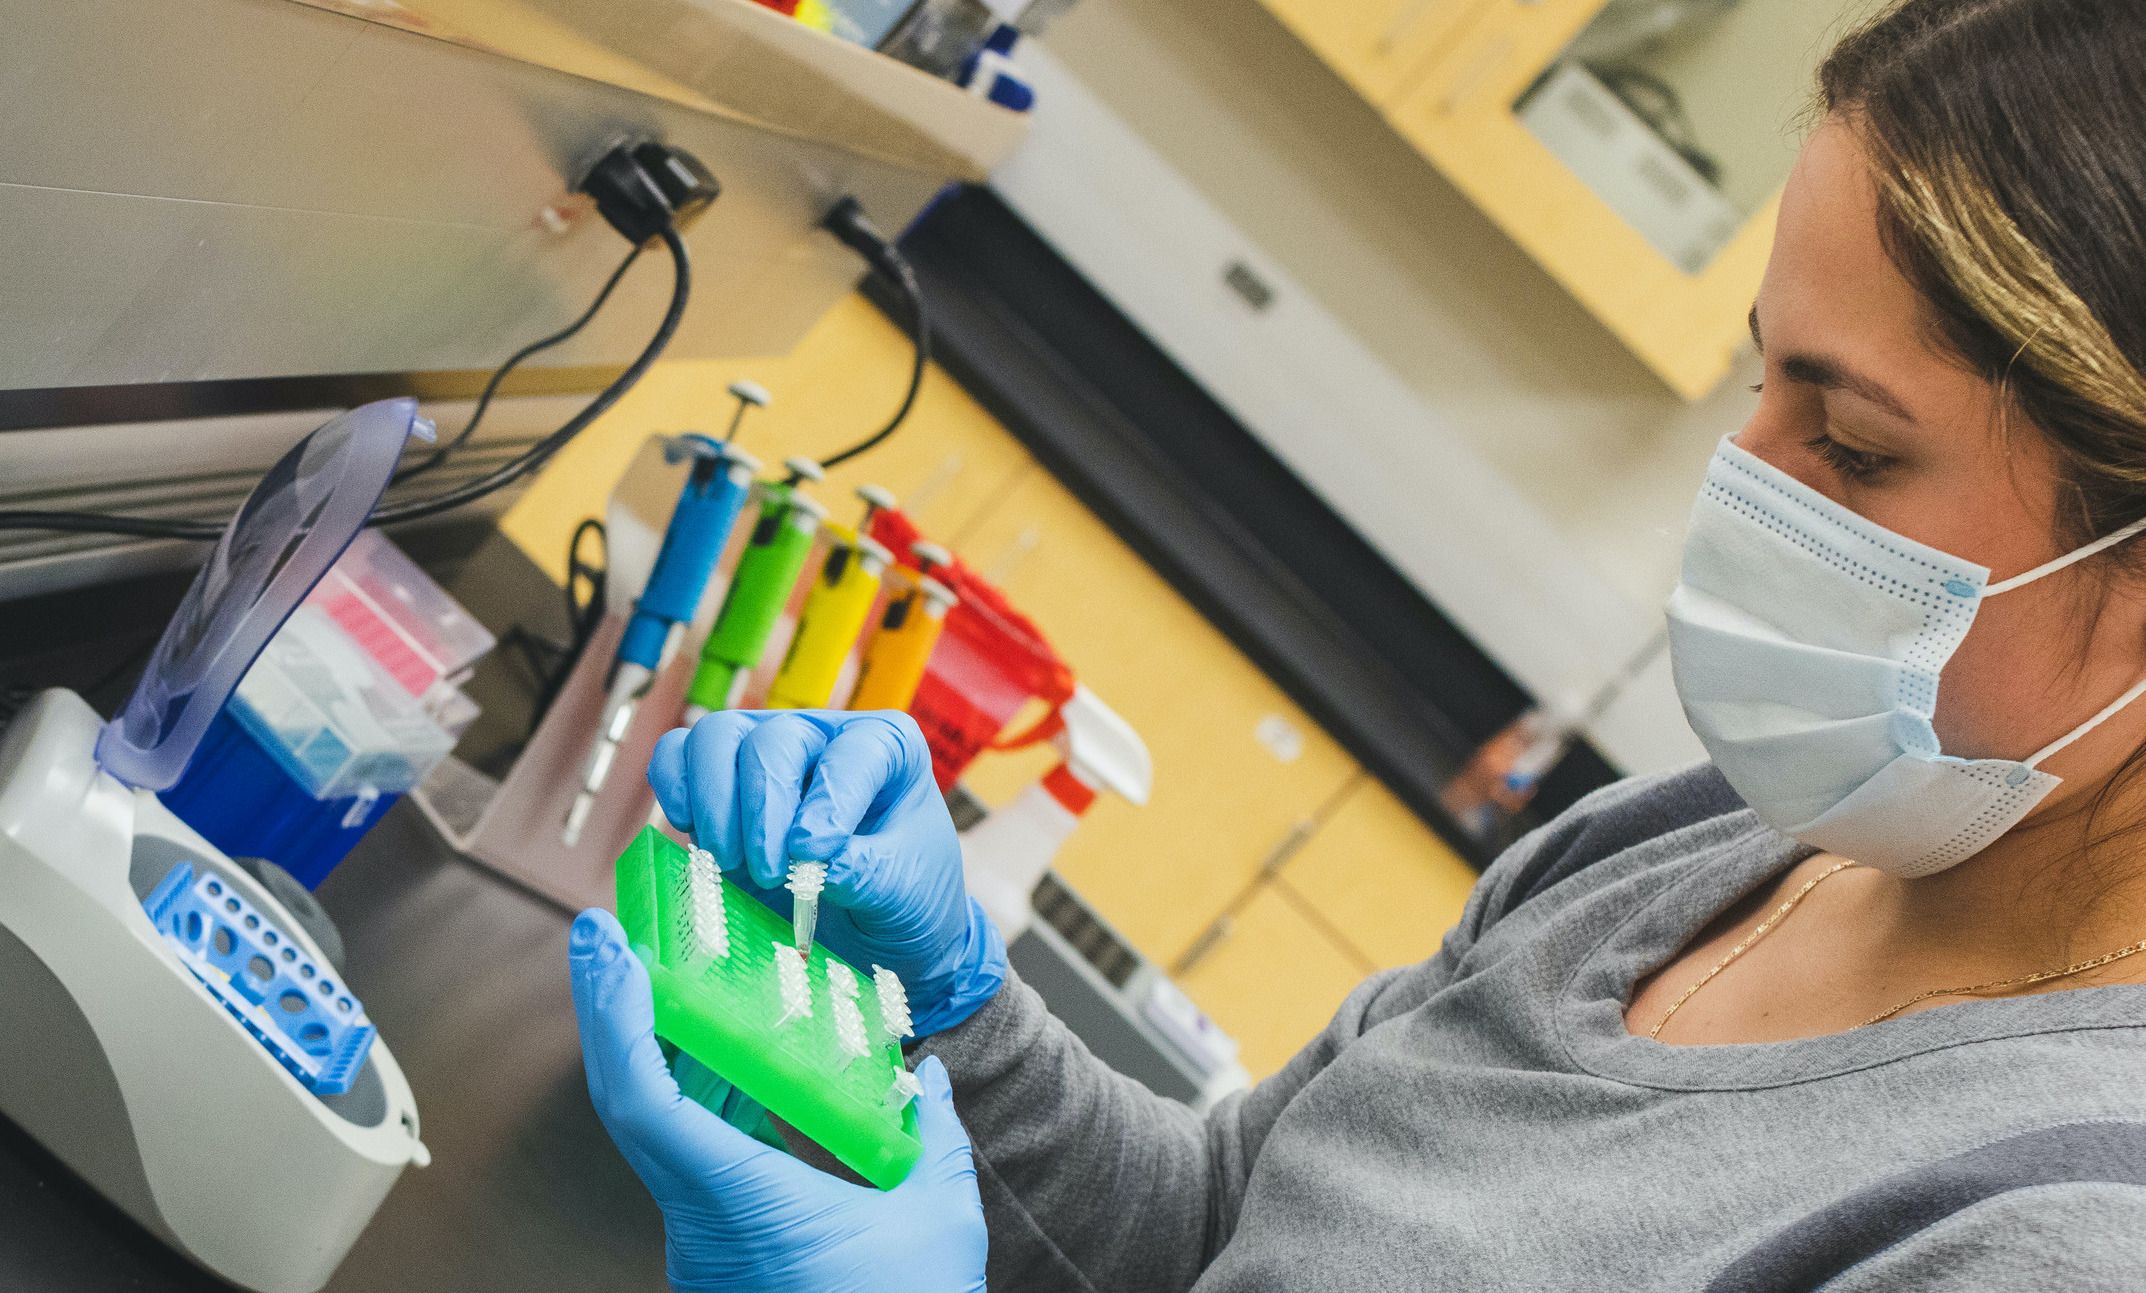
(1488,58)
(1289,846)
(1210,938)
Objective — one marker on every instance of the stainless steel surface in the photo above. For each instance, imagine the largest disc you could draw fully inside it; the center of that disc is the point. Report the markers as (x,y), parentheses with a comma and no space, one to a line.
(246,188)
(739,59)
(466,977)
(202,469)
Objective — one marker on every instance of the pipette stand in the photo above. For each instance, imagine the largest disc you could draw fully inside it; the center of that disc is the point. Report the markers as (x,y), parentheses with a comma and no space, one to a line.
(514,826)
(518,831)
(117,1059)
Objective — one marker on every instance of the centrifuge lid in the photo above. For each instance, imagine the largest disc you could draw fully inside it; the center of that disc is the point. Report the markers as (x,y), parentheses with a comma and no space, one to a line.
(294,525)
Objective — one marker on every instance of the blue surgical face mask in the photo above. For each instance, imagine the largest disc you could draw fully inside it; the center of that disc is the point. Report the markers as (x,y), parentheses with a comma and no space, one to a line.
(1807,644)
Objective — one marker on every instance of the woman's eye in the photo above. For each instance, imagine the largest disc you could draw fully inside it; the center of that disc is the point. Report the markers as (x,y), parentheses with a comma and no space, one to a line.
(1855,464)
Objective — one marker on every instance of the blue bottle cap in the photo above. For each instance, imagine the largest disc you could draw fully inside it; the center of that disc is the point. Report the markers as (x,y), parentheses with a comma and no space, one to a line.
(294,525)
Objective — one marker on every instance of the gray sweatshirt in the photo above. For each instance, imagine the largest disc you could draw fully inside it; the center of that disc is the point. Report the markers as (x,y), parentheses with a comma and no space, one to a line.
(1483,1120)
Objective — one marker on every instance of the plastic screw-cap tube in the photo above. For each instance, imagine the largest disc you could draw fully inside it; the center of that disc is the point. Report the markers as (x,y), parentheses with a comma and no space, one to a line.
(796,988)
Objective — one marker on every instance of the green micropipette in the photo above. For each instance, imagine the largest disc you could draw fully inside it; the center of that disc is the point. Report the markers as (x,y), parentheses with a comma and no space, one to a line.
(767,573)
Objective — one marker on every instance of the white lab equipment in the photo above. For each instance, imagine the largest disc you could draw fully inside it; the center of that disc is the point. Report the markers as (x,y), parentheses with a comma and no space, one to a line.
(1626,161)
(172,1033)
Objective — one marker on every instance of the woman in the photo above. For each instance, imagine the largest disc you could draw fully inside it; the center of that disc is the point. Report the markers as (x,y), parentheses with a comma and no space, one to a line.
(1856,1005)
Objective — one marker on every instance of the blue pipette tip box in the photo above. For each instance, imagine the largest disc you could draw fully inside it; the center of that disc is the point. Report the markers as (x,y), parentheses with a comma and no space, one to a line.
(291,1003)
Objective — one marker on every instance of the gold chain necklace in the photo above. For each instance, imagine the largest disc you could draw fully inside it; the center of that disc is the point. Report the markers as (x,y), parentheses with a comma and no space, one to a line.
(1780,913)
(1765,928)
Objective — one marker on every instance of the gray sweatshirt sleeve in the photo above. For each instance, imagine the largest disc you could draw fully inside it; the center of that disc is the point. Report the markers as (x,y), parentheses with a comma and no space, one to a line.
(1092,1182)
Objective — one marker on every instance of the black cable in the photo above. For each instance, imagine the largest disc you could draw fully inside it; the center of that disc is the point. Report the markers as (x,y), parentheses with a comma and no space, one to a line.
(145,527)
(850,226)
(906,280)
(415,509)
(491,387)
(541,452)
(584,611)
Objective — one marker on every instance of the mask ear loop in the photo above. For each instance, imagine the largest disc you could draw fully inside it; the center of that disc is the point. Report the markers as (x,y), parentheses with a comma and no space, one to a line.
(2070,558)
(2114,708)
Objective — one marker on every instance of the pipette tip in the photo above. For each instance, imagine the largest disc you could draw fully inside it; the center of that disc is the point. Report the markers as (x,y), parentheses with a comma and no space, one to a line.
(806,881)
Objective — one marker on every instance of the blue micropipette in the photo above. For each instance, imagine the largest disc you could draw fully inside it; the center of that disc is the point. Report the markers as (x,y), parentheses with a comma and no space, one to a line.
(715,493)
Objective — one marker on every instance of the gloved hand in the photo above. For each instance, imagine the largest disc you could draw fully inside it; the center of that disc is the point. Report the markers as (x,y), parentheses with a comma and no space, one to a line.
(698,1083)
(740,1217)
(853,790)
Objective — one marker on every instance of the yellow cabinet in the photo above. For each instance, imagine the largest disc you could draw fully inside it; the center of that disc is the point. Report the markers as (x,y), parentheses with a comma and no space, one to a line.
(1273,981)
(1634,148)
(1685,322)
(1224,798)
(948,463)
(1376,45)
(1380,877)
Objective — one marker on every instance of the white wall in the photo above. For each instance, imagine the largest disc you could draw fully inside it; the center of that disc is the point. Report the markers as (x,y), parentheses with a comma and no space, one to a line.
(1495,442)
(1494,349)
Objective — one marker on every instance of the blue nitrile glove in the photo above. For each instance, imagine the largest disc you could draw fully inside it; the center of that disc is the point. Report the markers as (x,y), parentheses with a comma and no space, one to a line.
(854,790)
(740,1217)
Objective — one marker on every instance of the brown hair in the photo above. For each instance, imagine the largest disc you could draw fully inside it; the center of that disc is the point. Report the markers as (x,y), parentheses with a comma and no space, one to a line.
(2009,140)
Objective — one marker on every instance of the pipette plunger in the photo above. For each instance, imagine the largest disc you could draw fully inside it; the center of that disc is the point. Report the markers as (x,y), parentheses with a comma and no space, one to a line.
(749,395)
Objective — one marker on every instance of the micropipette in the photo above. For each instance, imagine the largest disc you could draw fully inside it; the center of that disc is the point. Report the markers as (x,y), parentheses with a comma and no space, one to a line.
(716,488)
(768,571)
(894,660)
(834,614)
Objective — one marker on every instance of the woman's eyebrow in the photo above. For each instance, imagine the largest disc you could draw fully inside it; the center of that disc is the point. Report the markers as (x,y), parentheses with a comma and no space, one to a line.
(1831,375)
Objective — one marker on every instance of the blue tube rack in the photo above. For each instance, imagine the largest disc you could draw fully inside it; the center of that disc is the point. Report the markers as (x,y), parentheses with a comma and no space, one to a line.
(289,1002)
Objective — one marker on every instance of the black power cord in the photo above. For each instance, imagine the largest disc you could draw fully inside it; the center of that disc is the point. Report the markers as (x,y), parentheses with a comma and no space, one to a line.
(415,509)
(145,527)
(847,223)
(584,591)
(647,192)
(541,452)
(499,374)
(643,192)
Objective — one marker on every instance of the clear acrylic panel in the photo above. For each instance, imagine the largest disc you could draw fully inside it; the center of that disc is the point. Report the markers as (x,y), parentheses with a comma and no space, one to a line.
(291,529)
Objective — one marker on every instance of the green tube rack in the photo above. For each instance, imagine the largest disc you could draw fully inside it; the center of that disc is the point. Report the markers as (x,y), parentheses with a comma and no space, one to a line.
(814,1041)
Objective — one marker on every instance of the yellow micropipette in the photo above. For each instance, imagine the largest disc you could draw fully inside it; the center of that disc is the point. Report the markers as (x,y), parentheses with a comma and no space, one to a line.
(834,615)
